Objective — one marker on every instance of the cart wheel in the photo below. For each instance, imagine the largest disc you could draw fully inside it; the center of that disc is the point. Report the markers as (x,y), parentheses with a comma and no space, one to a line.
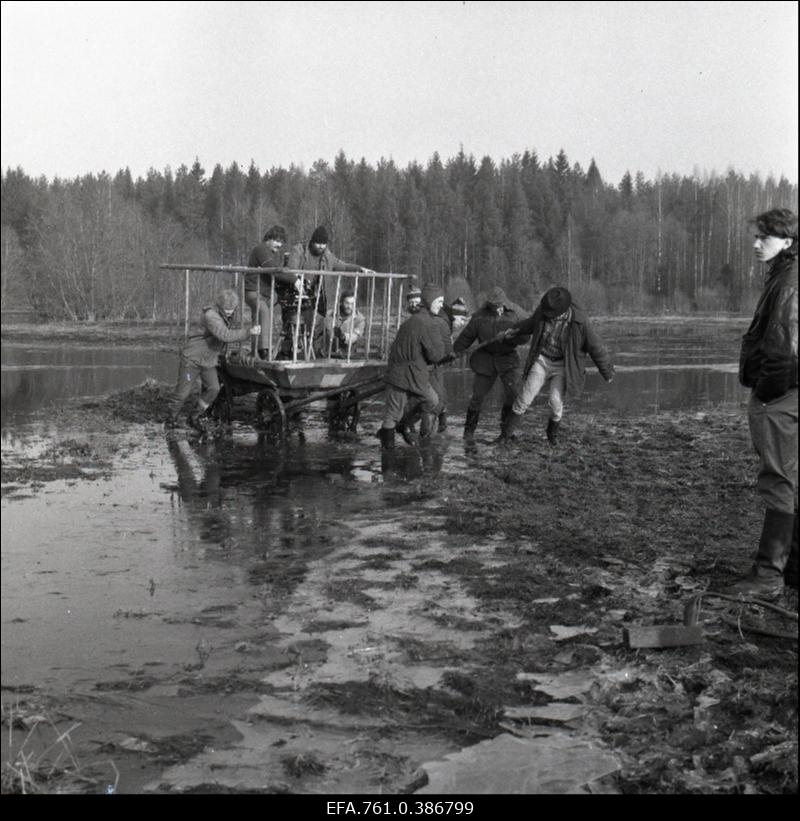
(343,412)
(222,408)
(271,413)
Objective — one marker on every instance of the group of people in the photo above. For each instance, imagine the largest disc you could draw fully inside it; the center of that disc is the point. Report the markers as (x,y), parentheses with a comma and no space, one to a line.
(560,336)
(303,301)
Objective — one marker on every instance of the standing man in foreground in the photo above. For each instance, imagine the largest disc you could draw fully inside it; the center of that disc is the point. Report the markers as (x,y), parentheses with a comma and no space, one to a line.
(560,336)
(768,365)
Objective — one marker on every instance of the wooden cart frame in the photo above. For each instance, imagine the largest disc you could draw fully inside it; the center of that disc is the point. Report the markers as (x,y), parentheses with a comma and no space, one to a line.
(285,387)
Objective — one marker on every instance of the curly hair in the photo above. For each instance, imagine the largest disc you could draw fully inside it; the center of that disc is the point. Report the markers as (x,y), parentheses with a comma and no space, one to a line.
(778,222)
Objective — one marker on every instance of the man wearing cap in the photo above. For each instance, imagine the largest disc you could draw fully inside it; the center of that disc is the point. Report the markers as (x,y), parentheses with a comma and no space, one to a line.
(417,346)
(560,336)
(261,289)
(312,256)
(768,365)
(413,299)
(199,356)
(495,356)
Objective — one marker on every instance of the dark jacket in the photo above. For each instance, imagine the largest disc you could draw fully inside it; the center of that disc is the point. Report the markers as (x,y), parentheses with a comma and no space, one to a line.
(301,259)
(768,358)
(498,357)
(204,347)
(418,344)
(580,340)
(262,256)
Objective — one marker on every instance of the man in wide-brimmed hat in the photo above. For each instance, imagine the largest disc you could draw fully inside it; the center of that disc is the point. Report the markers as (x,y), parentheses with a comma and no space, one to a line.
(560,335)
(496,357)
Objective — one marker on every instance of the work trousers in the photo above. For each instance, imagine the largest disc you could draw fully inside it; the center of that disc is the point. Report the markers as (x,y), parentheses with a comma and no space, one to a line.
(482,384)
(542,372)
(188,375)
(396,399)
(773,429)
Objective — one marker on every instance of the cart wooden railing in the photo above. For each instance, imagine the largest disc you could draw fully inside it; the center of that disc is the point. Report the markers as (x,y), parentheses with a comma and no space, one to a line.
(384,309)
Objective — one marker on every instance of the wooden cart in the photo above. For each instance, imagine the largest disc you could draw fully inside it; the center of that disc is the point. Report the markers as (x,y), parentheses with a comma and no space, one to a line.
(284,387)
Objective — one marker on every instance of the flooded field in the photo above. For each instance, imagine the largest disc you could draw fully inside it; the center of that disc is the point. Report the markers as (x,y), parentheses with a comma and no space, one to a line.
(238,615)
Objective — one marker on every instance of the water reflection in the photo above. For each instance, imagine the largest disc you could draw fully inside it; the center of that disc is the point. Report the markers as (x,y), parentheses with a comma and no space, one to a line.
(34,378)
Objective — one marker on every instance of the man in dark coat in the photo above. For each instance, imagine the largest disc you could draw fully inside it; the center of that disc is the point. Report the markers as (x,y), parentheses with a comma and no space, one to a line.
(495,357)
(417,346)
(560,336)
(260,290)
(768,365)
(311,256)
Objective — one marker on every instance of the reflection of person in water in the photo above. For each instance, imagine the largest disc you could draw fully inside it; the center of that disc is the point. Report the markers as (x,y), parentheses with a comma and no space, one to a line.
(200,489)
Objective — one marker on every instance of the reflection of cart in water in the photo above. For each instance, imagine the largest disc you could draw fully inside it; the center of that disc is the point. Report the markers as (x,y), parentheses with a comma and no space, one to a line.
(342,376)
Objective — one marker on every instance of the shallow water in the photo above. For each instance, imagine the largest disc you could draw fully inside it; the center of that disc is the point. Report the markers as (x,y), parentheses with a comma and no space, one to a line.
(661,366)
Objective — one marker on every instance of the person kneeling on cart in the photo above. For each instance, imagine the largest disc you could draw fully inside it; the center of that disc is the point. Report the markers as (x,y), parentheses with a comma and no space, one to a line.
(418,345)
(344,329)
(199,356)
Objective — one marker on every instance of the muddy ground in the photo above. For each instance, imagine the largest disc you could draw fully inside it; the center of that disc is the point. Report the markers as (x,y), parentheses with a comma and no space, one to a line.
(563,548)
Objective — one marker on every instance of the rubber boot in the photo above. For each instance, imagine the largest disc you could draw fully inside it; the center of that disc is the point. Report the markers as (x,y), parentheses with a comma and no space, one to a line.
(510,426)
(199,421)
(790,571)
(426,426)
(386,435)
(471,424)
(552,431)
(765,579)
(442,421)
(171,422)
(405,427)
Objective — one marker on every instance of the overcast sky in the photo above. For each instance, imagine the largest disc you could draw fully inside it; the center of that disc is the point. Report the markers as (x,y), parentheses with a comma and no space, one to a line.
(639,86)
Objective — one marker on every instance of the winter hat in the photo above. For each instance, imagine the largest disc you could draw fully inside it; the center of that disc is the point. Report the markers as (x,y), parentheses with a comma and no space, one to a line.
(459,308)
(430,292)
(496,297)
(555,302)
(414,292)
(227,301)
(320,235)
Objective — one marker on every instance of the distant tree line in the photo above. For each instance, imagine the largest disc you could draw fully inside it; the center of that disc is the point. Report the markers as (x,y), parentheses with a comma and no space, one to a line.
(89,248)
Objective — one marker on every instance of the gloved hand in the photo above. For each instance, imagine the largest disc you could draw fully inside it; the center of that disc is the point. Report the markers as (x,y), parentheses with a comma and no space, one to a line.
(255,330)
(451,357)
(510,333)
(776,379)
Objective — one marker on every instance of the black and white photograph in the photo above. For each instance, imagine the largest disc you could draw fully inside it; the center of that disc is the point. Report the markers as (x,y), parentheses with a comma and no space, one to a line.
(399,401)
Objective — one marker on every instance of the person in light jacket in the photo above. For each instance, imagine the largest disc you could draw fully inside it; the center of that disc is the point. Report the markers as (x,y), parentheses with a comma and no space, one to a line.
(199,357)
